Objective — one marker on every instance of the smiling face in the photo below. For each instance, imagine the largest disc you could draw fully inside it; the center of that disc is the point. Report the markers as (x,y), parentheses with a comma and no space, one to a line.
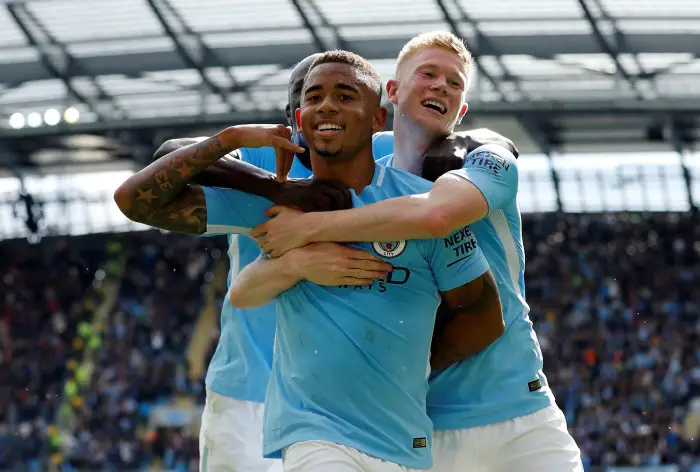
(430,89)
(339,112)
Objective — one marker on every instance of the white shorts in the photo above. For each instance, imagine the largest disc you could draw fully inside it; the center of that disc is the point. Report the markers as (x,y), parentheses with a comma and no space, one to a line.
(230,438)
(323,456)
(538,442)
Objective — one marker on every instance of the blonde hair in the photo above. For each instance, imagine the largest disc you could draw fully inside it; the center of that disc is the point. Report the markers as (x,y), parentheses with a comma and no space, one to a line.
(437,39)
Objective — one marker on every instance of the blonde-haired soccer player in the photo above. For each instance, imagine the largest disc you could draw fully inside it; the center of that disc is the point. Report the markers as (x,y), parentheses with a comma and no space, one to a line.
(493,411)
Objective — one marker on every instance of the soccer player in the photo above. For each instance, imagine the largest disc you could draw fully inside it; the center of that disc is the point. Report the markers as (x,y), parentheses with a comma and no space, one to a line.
(493,411)
(238,374)
(348,382)
(237,377)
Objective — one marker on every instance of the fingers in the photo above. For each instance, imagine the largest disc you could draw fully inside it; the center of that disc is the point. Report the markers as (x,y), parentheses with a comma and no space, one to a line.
(283,163)
(361,254)
(274,211)
(259,231)
(364,261)
(369,274)
(285,143)
(372,266)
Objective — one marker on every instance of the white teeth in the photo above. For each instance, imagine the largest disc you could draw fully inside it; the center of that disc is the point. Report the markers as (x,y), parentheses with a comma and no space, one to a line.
(437,104)
(328,127)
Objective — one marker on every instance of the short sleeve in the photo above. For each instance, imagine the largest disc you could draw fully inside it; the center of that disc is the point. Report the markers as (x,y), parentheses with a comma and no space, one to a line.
(233,212)
(382,144)
(493,170)
(263,157)
(456,259)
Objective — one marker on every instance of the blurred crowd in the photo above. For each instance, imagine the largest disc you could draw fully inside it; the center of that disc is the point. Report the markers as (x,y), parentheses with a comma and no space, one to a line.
(46,292)
(616,303)
(614,298)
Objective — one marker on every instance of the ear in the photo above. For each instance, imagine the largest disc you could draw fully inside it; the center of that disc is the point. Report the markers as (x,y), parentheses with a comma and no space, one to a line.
(462,112)
(392,87)
(379,119)
(288,114)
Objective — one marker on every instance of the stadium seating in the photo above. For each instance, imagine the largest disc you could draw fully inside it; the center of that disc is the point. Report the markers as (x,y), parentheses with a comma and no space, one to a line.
(614,298)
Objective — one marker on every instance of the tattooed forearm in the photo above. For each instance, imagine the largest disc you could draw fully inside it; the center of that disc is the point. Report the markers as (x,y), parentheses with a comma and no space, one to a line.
(186,214)
(160,194)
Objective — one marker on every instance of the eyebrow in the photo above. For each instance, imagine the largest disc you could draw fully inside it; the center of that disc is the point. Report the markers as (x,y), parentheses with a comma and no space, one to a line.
(338,86)
(431,65)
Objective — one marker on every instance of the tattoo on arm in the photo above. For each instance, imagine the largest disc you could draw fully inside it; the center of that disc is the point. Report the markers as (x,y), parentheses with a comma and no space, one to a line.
(186,214)
(160,195)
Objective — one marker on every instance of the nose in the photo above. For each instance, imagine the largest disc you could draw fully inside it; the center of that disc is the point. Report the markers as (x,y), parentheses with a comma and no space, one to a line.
(327,106)
(439,84)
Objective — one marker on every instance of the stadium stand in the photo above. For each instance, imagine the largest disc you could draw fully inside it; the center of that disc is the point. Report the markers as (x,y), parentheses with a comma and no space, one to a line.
(140,361)
(614,300)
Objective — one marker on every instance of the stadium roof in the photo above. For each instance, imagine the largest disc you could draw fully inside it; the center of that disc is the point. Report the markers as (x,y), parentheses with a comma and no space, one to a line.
(554,75)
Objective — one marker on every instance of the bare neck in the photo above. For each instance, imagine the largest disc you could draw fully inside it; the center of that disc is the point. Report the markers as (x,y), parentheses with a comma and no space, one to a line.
(356,173)
(410,144)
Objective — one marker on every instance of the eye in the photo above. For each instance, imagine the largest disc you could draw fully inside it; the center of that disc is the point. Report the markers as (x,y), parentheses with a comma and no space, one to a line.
(456,83)
(346,97)
(312,98)
(428,74)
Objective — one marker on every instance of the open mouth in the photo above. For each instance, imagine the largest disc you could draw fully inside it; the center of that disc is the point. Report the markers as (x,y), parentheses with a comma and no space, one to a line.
(328,129)
(435,105)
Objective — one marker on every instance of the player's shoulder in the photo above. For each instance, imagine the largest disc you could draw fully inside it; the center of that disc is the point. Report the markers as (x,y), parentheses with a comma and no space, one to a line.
(263,157)
(493,151)
(386,160)
(493,158)
(382,136)
(382,144)
(402,181)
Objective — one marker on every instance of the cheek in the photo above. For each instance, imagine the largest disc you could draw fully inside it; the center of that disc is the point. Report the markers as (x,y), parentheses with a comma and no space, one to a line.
(304,115)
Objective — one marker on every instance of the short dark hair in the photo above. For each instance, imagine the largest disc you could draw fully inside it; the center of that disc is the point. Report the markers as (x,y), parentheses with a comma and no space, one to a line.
(366,70)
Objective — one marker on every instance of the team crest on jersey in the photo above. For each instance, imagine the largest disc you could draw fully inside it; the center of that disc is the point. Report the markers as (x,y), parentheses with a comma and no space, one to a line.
(389,249)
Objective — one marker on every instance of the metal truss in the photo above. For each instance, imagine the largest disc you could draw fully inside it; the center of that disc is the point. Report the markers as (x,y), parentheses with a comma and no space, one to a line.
(58,61)
(551,125)
(189,45)
(537,45)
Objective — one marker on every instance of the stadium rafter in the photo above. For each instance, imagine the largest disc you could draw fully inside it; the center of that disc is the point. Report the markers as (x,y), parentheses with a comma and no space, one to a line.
(556,75)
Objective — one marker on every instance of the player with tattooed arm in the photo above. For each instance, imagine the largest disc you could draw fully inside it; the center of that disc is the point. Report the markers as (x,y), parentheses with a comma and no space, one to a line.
(347,387)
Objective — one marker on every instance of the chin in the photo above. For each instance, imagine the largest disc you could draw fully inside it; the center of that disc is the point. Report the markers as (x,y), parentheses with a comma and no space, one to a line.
(433,127)
(329,154)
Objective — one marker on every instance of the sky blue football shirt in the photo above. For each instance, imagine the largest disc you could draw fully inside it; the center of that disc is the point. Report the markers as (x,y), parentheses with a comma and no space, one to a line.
(351,363)
(241,365)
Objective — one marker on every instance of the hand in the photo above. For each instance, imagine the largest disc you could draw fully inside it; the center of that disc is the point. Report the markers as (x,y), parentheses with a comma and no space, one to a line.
(314,195)
(277,136)
(449,153)
(288,229)
(333,264)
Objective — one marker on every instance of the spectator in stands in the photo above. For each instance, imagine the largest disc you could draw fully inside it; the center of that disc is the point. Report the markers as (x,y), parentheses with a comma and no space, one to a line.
(615,301)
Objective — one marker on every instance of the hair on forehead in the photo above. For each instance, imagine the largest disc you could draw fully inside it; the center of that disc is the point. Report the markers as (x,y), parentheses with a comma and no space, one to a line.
(364,69)
(437,39)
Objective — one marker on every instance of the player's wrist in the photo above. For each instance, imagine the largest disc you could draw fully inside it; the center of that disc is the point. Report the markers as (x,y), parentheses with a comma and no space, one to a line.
(229,138)
(314,228)
(291,267)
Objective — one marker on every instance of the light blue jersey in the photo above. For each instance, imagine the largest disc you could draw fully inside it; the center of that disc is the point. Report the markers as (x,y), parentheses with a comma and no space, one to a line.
(382,144)
(505,380)
(241,365)
(351,363)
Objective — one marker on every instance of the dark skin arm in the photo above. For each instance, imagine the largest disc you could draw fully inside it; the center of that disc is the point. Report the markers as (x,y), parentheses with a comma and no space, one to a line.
(230,172)
(475,320)
(162,194)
